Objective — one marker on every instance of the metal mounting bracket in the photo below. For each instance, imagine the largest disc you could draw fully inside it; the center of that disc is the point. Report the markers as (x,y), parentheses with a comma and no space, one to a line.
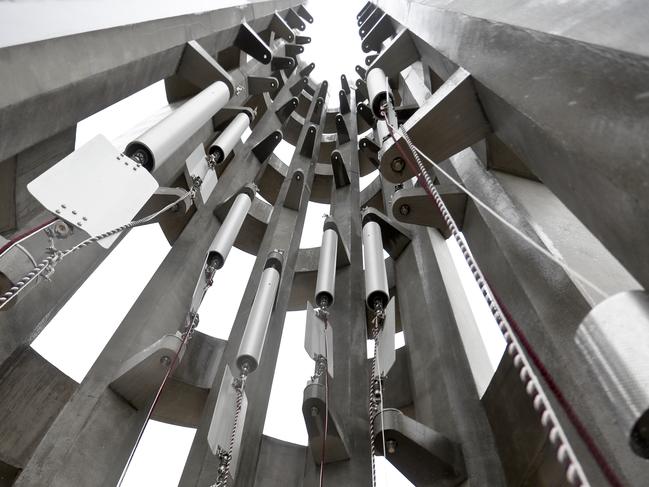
(303,12)
(281,28)
(341,129)
(282,62)
(266,147)
(309,142)
(413,205)
(261,84)
(294,192)
(379,32)
(294,20)
(317,110)
(293,50)
(422,455)
(341,178)
(249,42)
(284,112)
(344,103)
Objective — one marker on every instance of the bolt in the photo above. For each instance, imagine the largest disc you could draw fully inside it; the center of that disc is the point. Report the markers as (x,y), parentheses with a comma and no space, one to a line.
(84,218)
(404,209)
(165,360)
(58,211)
(79,224)
(314,411)
(397,164)
(74,212)
(63,206)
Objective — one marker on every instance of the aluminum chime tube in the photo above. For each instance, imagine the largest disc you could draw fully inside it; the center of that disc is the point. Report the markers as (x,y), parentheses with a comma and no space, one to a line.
(376,83)
(227,234)
(225,142)
(326,282)
(376,277)
(154,147)
(613,338)
(254,336)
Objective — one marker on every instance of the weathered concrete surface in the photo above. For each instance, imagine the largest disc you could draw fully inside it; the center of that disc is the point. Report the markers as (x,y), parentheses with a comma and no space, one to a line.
(280,463)
(565,89)
(32,393)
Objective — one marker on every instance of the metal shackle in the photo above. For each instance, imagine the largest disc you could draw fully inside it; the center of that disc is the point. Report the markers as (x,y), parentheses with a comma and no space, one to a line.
(254,336)
(377,82)
(227,139)
(326,282)
(154,147)
(376,277)
(227,234)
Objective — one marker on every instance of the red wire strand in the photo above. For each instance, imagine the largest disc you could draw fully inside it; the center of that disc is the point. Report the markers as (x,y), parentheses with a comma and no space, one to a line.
(572,415)
(17,238)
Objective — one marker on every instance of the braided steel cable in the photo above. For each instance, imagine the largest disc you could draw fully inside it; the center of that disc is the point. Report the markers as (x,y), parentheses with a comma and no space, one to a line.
(58,255)
(517,345)
(223,476)
(372,403)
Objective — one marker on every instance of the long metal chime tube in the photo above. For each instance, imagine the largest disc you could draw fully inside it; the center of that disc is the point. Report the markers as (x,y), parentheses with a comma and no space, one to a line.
(225,142)
(376,278)
(326,281)
(377,296)
(154,147)
(254,336)
(227,234)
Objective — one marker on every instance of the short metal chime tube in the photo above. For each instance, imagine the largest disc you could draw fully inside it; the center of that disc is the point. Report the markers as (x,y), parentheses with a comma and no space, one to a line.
(377,293)
(377,83)
(254,336)
(227,234)
(225,142)
(155,146)
(326,281)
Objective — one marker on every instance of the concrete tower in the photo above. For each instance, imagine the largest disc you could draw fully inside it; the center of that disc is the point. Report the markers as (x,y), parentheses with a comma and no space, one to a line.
(515,132)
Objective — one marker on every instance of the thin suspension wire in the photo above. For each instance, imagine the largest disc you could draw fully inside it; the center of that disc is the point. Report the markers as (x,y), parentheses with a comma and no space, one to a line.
(514,336)
(576,274)
(191,326)
(57,256)
(326,421)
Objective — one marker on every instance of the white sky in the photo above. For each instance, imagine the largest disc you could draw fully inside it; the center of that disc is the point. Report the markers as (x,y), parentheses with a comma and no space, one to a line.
(72,341)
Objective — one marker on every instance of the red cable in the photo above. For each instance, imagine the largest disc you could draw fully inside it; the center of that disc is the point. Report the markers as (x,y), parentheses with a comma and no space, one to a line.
(23,235)
(581,429)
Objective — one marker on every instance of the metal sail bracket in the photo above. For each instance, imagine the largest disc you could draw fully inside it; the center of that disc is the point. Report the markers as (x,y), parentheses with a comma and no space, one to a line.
(318,341)
(219,434)
(95,189)
(249,42)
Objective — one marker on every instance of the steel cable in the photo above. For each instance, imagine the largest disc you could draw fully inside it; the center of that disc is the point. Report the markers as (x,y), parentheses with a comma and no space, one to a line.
(58,255)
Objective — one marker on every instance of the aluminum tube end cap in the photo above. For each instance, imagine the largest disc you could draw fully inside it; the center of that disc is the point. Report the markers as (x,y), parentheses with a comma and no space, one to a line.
(246,364)
(275,260)
(249,189)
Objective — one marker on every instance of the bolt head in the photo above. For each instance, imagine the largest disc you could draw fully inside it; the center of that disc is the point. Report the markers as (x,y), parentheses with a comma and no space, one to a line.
(391,446)
(397,164)
(404,209)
